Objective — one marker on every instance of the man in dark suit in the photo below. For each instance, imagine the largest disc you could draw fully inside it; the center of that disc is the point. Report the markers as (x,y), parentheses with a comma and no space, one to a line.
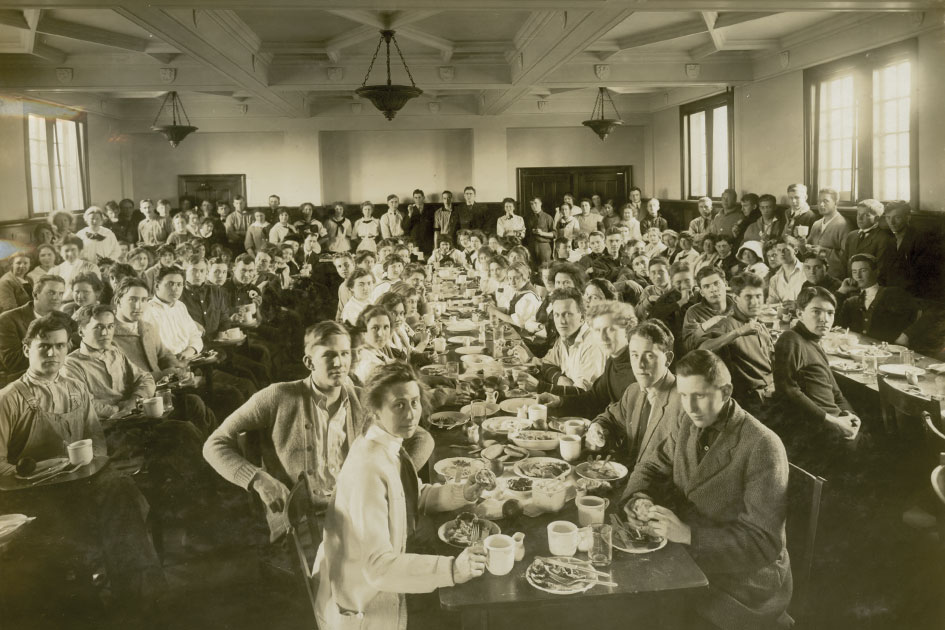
(468,215)
(914,264)
(876,311)
(649,409)
(728,475)
(47,297)
(418,225)
(870,238)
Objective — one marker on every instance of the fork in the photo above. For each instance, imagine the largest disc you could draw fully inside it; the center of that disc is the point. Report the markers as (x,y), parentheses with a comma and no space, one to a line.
(476,533)
(569,582)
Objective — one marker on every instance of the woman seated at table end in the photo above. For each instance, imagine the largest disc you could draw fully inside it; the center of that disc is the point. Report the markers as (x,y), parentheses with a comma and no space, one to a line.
(365,570)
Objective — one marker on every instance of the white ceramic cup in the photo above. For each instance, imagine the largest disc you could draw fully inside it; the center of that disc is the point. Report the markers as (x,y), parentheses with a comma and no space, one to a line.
(153,407)
(439,345)
(80,452)
(538,414)
(574,427)
(562,538)
(429,319)
(570,447)
(232,333)
(590,509)
(500,554)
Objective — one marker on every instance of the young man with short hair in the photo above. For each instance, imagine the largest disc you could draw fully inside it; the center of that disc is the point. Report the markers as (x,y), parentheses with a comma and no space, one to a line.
(788,280)
(876,311)
(828,233)
(718,485)
(714,305)
(798,213)
(815,275)
(870,237)
(392,221)
(540,232)
(672,306)
(769,226)
(575,359)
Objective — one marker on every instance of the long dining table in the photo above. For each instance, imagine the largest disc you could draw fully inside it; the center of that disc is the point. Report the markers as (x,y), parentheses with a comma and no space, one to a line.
(650,586)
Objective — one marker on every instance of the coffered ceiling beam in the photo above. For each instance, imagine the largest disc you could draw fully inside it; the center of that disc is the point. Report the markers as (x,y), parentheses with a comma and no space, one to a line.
(14,18)
(335,45)
(82,32)
(731,19)
(555,42)
(717,37)
(222,41)
(445,46)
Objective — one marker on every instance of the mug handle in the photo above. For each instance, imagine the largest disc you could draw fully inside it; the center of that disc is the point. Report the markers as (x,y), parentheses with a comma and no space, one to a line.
(606,503)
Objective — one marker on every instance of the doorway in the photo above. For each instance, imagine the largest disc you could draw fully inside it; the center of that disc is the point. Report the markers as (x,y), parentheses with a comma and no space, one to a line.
(552,182)
(212,188)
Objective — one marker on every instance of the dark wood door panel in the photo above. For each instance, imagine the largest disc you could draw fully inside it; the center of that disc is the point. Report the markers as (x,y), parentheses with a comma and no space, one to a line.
(551,183)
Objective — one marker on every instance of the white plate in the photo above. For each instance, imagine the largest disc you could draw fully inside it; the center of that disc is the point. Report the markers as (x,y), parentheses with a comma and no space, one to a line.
(511,405)
(584,470)
(463,340)
(525,440)
(488,407)
(502,425)
(557,424)
(938,368)
(846,365)
(861,353)
(462,326)
(895,349)
(9,523)
(43,466)
(443,467)
(558,589)
(482,359)
(522,466)
(434,369)
(492,527)
(638,549)
(899,369)
(471,350)
(448,419)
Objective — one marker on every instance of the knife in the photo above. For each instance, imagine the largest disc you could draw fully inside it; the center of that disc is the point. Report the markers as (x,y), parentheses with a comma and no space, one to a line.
(621,532)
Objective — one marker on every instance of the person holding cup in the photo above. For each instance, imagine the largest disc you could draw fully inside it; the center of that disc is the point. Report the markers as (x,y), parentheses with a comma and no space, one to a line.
(649,409)
(365,568)
(733,473)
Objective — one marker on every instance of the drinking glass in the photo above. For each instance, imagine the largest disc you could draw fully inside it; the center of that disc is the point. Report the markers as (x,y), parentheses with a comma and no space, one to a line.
(452,369)
(602,547)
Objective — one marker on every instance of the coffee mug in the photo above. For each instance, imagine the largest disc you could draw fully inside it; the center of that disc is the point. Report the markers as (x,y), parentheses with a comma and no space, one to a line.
(429,319)
(233,333)
(153,407)
(570,447)
(538,414)
(802,230)
(574,427)
(591,509)
(562,538)
(439,345)
(500,554)
(80,452)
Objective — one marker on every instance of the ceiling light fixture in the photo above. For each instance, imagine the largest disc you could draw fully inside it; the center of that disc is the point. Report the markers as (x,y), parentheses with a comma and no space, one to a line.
(174,132)
(389,99)
(603,126)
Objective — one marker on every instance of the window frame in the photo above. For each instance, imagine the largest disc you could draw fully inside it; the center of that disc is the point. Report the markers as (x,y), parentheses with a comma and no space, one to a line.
(861,66)
(707,105)
(81,119)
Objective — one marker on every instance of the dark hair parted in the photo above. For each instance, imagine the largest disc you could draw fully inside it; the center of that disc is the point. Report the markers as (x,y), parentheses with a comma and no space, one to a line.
(706,364)
(47,324)
(656,332)
(806,296)
(386,376)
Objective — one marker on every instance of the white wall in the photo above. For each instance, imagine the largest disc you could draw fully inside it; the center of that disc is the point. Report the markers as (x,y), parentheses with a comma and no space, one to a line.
(274,162)
(931,88)
(666,165)
(575,146)
(369,165)
(12,160)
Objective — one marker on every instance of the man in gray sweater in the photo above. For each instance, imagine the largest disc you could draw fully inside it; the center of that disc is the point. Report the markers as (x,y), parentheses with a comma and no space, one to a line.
(302,429)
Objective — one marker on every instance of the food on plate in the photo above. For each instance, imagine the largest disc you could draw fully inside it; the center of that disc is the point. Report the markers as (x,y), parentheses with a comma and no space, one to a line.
(558,577)
(535,436)
(505,453)
(544,468)
(460,530)
(493,452)
(593,487)
(519,484)
(641,507)
(26,466)
(457,469)
(486,479)
(601,470)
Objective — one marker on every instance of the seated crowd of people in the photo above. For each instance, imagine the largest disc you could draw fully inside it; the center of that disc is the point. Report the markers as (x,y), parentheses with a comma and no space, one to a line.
(652,333)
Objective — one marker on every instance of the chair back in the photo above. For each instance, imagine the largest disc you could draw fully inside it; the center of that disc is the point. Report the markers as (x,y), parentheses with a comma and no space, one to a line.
(305,535)
(902,411)
(804,497)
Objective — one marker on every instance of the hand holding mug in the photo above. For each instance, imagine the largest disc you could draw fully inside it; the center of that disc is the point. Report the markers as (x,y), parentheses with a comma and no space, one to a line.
(595,438)
(469,564)
(549,400)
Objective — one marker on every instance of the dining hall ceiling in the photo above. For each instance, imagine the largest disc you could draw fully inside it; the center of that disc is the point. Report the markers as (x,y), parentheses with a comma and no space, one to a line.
(298,58)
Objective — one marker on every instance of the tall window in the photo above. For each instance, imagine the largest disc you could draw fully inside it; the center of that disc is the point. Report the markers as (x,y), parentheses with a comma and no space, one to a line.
(707,146)
(860,122)
(58,165)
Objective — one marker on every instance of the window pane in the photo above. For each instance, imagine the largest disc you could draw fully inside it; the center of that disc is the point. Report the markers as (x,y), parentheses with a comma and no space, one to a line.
(719,150)
(698,165)
(39,165)
(67,152)
(837,148)
(892,102)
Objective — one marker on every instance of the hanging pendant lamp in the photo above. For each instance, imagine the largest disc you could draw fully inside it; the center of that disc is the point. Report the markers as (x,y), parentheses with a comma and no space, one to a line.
(603,126)
(174,132)
(389,99)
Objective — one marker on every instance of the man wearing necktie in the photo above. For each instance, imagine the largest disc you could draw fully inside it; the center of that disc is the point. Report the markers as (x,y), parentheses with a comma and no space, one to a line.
(718,484)
(870,238)
(649,408)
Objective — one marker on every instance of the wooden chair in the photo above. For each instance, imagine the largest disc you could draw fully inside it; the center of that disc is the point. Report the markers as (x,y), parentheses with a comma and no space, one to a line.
(804,496)
(305,535)
(902,411)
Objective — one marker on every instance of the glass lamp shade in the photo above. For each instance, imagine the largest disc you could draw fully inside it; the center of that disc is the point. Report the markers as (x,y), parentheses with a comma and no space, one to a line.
(602,126)
(389,99)
(175,133)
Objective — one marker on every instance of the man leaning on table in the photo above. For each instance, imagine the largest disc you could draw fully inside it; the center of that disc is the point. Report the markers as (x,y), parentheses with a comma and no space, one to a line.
(576,359)
(733,473)
(649,409)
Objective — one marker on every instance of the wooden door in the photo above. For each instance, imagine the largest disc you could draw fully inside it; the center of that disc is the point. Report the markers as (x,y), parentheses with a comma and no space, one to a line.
(551,183)
(213,188)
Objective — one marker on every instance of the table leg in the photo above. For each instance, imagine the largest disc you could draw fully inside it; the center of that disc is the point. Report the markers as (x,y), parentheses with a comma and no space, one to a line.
(475,619)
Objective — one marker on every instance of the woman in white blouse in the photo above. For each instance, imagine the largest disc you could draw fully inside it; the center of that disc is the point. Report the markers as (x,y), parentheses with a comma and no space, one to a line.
(375,325)
(365,568)
(361,284)
(46,258)
(525,301)
(402,336)
(367,228)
